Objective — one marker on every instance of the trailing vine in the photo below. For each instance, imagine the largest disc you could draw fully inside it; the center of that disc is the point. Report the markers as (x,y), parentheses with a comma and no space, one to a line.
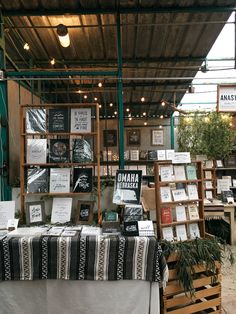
(197,252)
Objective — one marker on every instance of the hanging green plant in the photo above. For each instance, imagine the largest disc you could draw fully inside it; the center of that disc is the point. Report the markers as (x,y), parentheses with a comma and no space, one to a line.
(209,134)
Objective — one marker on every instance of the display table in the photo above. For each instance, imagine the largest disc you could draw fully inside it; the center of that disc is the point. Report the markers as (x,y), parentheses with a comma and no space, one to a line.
(107,274)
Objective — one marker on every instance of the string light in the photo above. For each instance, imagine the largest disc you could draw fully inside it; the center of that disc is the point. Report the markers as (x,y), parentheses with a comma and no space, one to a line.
(130,118)
(115,113)
(52,61)
(99,84)
(79,91)
(26,46)
(111,104)
(127,109)
(142,99)
(85,96)
(161,116)
(160,126)
(145,123)
(163,103)
(95,98)
(144,113)
(100,106)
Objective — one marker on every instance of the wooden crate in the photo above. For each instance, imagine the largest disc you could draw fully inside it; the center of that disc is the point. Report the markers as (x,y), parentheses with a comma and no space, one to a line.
(207,297)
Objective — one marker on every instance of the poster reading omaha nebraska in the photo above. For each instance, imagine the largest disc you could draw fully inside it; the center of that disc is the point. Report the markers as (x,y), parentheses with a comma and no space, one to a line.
(127,187)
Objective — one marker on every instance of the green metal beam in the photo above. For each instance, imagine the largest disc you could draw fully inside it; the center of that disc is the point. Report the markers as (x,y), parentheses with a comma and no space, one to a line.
(126,61)
(120,95)
(60,73)
(4,145)
(122,10)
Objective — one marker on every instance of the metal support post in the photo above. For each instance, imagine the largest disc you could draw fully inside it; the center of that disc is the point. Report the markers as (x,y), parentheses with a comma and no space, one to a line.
(4,144)
(172,131)
(120,96)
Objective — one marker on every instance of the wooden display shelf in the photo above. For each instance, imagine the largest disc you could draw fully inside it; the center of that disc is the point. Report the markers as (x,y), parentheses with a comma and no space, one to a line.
(62,164)
(163,183)
(59,194)
(175,223)
(60,134)
(181,202)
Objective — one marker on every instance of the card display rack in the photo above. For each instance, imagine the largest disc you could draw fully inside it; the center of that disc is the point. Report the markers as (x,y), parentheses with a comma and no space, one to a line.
(61,130)
(181,191)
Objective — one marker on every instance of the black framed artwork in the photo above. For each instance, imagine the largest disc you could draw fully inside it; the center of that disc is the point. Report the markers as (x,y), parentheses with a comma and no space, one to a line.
(133,137)
(84,212)
(110,138)
(35,213)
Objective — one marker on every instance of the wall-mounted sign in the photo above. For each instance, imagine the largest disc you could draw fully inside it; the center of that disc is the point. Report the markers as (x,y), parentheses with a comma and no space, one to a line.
(226,98)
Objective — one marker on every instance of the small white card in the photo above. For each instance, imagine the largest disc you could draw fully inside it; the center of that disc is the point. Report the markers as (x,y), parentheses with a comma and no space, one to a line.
(7,212)
(222,185)
(145,228)
(61,209)
(181,232)
(165,194)
(179,172)
(170,154)
(180,213)
(12,223)
(166,173)
(179,195)
(192,191)
(161,154)
(181,158)
(167,233)
(194,231)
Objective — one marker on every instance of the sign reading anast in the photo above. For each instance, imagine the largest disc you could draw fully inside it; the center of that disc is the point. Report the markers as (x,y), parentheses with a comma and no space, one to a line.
(226,98)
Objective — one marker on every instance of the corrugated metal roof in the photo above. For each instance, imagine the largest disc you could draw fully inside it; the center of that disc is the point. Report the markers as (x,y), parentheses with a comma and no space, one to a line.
(163,43)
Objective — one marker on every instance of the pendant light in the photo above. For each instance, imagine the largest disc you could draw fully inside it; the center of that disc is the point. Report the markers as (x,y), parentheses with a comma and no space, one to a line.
(63,35)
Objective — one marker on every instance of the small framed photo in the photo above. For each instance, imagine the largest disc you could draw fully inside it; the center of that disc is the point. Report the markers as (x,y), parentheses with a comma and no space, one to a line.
(35,213)
(133,137)
(157,137)
(110,138)
(84,212)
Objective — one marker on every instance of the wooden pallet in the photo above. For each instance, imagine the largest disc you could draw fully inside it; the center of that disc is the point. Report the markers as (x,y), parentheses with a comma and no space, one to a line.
(207,297)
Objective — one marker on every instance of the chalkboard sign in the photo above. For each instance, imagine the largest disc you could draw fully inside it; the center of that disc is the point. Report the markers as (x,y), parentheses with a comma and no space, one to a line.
(84,212)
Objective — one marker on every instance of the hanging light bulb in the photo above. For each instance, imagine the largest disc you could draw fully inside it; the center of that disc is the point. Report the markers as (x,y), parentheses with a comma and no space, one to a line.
(144,113)
(100,106)
(130,118)
(95,98)
(52,61)
(63,35)
(161,116)
(26,46)
(163,103)
(99,84)
(142,99)
(145,123)
(127,109)
(85,96)
(111,104)
(79,91)
(115,113)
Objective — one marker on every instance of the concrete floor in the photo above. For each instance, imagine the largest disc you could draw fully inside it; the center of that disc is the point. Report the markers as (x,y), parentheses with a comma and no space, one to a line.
(229,284)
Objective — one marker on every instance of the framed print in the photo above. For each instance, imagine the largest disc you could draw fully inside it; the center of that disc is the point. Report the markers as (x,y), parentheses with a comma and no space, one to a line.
(133,137)
(84,212)
(157,137)
(109,138)
(35,213)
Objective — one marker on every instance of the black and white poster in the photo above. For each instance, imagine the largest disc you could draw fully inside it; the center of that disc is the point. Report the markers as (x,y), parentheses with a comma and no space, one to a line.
(59,150)
(80,120)
(35,120)
(37,180)
(82,181)
(127,187)
(58,120)
(82,150)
